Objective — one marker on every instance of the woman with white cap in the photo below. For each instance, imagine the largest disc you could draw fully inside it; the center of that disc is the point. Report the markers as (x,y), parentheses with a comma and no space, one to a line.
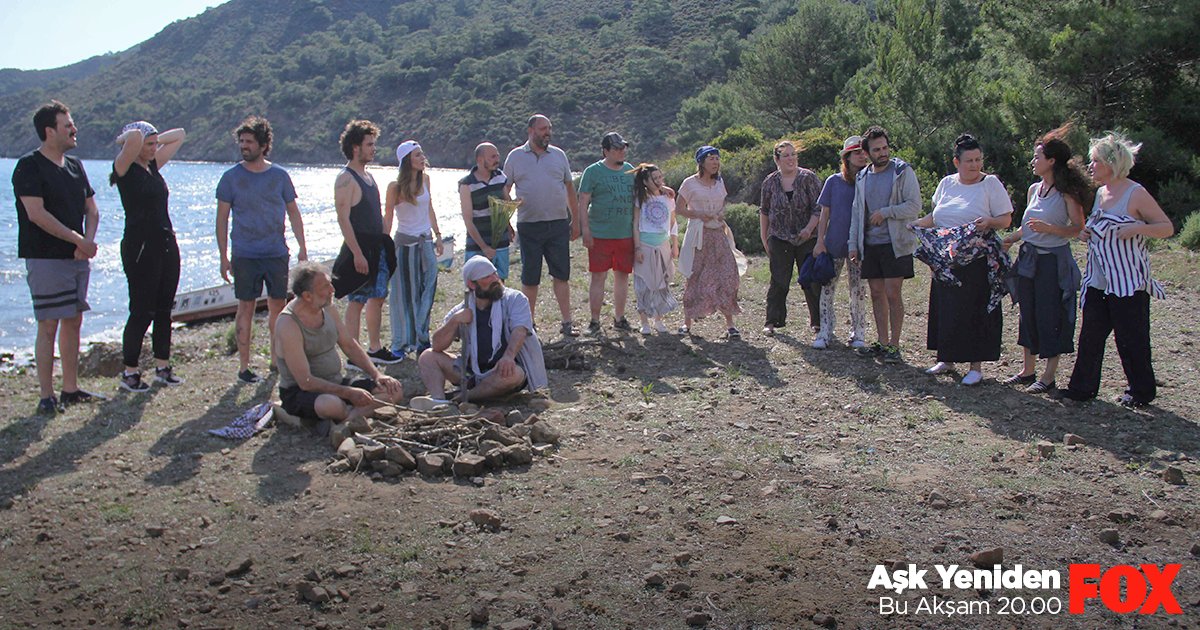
(415,281)
(149,252)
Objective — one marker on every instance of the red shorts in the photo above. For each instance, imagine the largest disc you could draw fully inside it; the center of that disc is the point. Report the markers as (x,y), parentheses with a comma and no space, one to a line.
(611,253)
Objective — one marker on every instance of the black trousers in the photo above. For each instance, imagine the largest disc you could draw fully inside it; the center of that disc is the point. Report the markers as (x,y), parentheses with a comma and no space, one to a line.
(960,327)
(152,270)
(784,257)
(1129,319)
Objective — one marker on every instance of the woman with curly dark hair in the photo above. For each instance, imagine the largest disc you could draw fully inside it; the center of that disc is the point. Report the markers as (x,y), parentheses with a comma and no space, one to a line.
(1045,278)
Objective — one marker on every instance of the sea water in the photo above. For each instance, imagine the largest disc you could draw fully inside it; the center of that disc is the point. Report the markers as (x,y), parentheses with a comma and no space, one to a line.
(193,208)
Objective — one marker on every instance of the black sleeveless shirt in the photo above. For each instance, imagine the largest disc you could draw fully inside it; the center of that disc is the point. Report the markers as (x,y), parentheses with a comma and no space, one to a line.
(365,216)
(144,196)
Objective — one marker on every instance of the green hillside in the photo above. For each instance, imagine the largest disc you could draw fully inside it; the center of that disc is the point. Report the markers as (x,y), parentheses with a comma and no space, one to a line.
(449,74)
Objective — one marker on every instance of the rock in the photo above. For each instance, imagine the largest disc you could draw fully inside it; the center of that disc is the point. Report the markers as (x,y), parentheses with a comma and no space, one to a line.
(1110,537)
(239,566)
(824,620)
(345,570)
(490,415)
(698,618)
(102,359)
(517,454)
(181,574)
(1122,516)
(680,588)
(479,612)
(1045,449)
(387,468)
(358,424)
(642,479)
(1196,549)
(1162,517)
(312,593)
(468,409)
(344,594)
(937,501)
(487,446)
(486,519)
(338,467)
(541,404)
(1173,476)
(352,452)
(521,431)
(386,412)
(988,558)
(514,418)
(433,464)
(683,558)
(373,452)
(502,435)
(1071,439)
(726,520)
(738,475)
(545,433)
(653,579)
(155,531)
(518,624)
(401,456)
(469,465)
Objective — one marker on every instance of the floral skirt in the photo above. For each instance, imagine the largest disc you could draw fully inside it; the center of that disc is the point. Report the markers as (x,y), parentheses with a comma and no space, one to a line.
(713,285)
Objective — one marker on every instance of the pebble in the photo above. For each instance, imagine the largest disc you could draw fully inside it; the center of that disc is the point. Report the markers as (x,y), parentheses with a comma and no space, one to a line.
(1173,476)
(1162,516)
(683,558)
(738,475)
(1121,516)
(1045,448)
(726,520)
(679,588)
(486,519)
(937,501)
(1110,537)
(518,624)
(345,570)
(479,612)
(653,579)
(514,418)
(1071,439)
(239,566)
(698,618)
(544,433)
(312,593)
(154,531)
(824,620)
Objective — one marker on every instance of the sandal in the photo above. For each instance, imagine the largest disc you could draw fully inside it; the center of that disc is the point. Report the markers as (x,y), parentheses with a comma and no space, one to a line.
(1019,379)
(1039,387)
(733,333)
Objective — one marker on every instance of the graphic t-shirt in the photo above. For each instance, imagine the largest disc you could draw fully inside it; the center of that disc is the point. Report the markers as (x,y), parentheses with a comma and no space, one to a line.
(610,212)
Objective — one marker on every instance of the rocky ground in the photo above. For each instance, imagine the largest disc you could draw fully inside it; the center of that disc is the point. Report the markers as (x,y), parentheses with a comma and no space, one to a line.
(745,484)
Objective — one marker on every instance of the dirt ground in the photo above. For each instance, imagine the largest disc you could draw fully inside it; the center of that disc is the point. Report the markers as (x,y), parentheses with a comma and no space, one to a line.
(746,484)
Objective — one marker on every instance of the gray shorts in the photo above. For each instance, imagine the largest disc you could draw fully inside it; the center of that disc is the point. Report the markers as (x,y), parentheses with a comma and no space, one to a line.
(249,274)
(58,286)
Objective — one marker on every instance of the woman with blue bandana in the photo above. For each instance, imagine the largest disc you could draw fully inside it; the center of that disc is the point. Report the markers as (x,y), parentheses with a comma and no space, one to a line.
(149,252)
(707,258)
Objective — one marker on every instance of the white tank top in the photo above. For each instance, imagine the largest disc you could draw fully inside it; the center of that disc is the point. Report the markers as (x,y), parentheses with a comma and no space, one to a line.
(413,219)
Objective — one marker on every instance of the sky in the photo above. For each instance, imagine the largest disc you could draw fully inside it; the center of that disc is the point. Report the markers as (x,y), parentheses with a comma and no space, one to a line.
(83,28)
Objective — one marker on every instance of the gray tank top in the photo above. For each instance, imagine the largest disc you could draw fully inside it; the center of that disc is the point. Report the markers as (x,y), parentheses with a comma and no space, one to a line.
(320,346)
(1119,209)
(1053,210)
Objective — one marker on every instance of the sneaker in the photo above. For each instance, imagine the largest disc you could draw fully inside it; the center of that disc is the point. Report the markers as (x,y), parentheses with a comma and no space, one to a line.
(622,324)
(820,343)
(383,356)
(133,382)
(247,376)
(568,329)
(645,329)
(1125,400)
(593,327)
(941,367)
(891,354)
(857,343)
(49,406)
(768,330)
(166,376)
(873,350)
(79,396)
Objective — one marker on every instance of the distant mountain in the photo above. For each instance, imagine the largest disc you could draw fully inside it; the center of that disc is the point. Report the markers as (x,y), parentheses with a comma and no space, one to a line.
(449,73)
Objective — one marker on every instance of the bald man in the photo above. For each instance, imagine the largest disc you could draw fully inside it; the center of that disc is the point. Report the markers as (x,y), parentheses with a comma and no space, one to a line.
(484,181)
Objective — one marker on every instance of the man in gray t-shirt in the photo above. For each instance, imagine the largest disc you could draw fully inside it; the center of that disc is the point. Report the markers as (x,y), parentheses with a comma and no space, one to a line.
(548,219)
(878,195)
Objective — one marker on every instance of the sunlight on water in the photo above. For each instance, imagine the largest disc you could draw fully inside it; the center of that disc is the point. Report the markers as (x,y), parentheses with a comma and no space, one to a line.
(193,213)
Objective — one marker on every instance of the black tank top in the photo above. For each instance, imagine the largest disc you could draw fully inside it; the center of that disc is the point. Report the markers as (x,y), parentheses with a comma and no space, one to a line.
(365,216)
(144,196)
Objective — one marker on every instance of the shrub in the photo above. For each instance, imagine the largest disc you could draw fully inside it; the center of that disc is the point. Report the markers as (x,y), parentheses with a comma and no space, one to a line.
(743,221)
(1189,236)
(738,138)
(1178,198)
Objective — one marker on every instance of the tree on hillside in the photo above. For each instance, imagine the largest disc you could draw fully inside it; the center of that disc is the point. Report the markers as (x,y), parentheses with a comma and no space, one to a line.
(800,66)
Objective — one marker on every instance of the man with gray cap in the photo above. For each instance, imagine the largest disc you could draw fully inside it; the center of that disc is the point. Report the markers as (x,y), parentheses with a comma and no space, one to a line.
(500,351)
(548,220)
(606,192)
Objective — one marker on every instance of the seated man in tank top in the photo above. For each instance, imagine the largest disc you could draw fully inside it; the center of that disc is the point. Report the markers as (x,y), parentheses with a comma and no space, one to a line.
(308,336)
(501,353)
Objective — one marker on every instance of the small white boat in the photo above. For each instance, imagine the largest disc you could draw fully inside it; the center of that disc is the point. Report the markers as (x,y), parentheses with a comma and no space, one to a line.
(219,301)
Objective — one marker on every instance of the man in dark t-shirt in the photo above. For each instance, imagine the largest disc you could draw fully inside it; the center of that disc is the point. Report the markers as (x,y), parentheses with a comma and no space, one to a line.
(56,223)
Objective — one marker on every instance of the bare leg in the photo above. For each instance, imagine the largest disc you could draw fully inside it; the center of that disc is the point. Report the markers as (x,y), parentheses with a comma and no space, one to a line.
(620,293)
(531,293)
(374,323)
(68,350)
(1029,363)
(895,302)
(242,329)
(879,308)
(44,355)
(596,294)
(354,318)
(562,293)
(436,368)
(274,307)
(1051,371)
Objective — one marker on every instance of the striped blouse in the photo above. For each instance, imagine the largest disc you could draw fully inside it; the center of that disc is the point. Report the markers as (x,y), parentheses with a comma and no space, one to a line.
(1119,267)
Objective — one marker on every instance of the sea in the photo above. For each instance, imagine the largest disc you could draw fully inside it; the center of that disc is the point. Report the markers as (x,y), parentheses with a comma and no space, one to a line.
(193,208)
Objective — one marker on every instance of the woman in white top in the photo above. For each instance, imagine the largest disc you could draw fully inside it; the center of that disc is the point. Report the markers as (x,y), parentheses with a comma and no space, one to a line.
(1117,284)
(654,245)
(961,328)
(707,259)
(415,281)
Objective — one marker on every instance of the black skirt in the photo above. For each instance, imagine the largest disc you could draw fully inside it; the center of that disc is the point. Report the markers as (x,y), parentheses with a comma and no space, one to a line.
(1043,330)
(961,329)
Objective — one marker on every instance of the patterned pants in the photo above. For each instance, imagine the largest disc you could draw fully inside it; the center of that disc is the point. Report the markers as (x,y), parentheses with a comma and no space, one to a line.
(411,298)
(858,301)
